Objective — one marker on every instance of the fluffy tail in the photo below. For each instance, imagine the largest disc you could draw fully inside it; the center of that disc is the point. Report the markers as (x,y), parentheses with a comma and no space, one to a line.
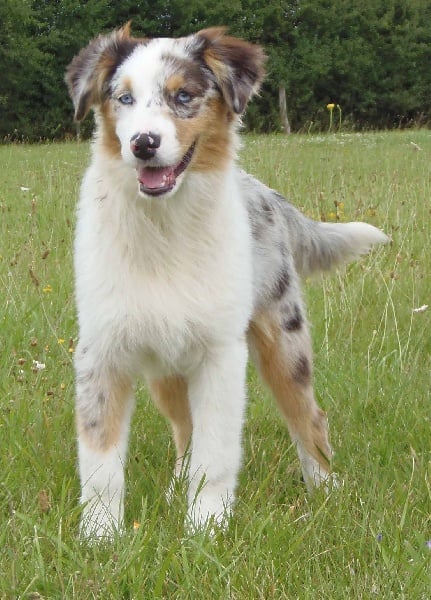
(322,246)
(315,246)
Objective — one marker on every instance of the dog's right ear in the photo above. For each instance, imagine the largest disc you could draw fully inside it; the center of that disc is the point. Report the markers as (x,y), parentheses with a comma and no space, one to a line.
(237,65)
(90,72)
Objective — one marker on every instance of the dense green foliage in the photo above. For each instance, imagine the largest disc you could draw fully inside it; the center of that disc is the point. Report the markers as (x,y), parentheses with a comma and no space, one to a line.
(369,57)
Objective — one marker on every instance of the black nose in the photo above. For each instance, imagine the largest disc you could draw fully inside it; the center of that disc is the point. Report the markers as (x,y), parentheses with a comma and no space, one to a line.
(144,145)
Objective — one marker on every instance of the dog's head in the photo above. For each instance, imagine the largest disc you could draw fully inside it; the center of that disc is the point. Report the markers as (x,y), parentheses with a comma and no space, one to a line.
(166,106)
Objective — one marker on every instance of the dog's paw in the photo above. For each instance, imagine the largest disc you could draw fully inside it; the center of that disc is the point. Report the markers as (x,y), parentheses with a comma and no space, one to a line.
(209,511)
(98,523)
(315,476)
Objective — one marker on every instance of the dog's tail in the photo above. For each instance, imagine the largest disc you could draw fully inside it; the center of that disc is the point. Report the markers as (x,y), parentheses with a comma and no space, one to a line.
(320,246)
(315,246)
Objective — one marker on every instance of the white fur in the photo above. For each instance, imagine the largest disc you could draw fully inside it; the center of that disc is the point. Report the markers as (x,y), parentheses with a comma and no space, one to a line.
(158,293)
(216,390)
(102,485)
(167,285)
(145,113)
(360,237)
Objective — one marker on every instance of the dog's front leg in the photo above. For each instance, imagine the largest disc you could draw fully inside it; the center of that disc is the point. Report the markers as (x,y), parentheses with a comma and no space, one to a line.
(217,402)
(103,410)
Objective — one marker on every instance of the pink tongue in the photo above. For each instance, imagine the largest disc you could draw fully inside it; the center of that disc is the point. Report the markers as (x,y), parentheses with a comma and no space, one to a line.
(154,178)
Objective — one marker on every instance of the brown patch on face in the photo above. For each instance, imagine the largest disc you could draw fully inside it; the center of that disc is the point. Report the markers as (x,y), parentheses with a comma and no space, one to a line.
(100,414)
(170,396)
(174,83)
(211,131)
(286,367)
(188,79)
(127,85)
(107,134)
(215,143)
(185,73)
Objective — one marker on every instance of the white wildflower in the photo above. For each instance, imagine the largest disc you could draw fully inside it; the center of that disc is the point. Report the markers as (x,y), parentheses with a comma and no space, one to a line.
(421,309)
(39,365)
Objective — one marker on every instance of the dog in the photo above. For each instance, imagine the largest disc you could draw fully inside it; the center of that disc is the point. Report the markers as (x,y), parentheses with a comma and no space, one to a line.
(183,265)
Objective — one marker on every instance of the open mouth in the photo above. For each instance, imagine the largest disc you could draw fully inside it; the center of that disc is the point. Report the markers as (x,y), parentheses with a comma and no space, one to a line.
(156,181)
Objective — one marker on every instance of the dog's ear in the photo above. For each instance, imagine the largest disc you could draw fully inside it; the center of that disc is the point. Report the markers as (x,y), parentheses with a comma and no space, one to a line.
(238,66)
(89,73)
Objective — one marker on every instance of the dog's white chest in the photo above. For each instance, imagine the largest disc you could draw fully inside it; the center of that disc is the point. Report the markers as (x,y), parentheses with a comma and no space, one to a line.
(147,317)
(159,301)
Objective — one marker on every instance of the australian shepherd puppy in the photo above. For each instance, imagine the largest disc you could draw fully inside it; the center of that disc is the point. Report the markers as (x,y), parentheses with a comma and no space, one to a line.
(184,264)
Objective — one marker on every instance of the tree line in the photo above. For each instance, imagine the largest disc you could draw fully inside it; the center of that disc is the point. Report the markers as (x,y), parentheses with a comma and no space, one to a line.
(371,59)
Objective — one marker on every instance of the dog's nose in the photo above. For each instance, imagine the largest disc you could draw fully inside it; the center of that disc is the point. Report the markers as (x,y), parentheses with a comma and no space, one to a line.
(144,145)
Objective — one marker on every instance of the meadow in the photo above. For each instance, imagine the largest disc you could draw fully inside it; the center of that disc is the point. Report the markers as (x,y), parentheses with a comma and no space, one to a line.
(370,538)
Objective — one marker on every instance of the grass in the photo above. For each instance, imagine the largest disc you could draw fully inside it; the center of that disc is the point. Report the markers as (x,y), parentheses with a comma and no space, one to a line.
(370,538)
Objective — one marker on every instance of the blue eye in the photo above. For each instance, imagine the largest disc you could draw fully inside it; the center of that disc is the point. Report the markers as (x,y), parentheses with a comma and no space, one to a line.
(126,98)
(183,97)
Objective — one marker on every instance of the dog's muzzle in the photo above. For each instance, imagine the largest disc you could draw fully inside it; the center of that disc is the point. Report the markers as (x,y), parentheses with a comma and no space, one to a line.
(156,181)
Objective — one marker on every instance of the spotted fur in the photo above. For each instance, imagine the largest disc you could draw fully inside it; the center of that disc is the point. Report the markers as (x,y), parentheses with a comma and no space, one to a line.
(183,264)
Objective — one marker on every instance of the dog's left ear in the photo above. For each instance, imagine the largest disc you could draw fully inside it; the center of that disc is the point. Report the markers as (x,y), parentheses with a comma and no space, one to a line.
(89,73)
(238,66)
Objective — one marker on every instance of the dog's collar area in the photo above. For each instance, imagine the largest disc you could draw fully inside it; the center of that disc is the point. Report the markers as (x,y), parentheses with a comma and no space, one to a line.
(155,181)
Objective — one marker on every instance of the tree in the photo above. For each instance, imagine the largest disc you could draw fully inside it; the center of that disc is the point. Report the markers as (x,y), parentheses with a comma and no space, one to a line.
(371,57)
(19,60)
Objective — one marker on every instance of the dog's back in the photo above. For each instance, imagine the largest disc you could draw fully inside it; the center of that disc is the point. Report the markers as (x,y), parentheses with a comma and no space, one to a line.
(286,243)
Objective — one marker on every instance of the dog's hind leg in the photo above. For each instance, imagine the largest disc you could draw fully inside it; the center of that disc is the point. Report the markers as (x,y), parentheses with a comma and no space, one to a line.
(170,396)
(104,404)
(280,345)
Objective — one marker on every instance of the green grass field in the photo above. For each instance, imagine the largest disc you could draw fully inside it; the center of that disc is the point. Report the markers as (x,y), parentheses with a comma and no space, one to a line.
(371,538)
